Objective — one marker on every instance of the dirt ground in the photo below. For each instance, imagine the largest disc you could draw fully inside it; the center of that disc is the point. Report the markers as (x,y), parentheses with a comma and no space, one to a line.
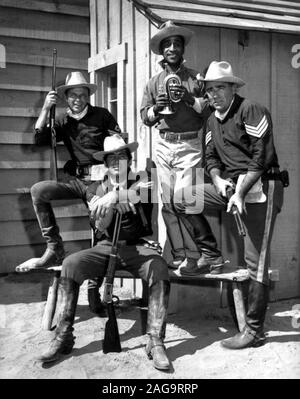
(192,341)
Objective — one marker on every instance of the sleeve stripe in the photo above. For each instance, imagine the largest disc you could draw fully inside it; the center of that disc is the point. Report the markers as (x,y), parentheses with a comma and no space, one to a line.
(259,130)
(258,133)
(263,119)
(207,137)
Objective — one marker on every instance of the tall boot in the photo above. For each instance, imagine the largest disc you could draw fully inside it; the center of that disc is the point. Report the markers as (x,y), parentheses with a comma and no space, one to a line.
(211,260)
(64,340)
(156,324)
(54,253)
(94,298)
(252,334)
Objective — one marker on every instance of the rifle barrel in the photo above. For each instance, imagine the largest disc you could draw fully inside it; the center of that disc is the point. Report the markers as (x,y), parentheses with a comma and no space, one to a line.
(53,159)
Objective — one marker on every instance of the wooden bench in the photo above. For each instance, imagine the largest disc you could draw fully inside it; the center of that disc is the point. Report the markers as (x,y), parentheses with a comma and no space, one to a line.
(235,278)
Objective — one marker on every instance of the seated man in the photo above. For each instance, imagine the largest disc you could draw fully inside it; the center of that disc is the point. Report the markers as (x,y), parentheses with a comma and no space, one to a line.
(117,192)
(240,146)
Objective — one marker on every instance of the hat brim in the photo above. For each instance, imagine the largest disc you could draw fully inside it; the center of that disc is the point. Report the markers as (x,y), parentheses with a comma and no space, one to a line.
(99,156)
(167,32)
(61,90)
(230,79)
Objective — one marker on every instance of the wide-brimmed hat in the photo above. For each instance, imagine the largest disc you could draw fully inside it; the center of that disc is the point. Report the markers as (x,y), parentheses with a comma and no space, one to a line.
(221,71)
(75,79)
(168,29)
(113,144)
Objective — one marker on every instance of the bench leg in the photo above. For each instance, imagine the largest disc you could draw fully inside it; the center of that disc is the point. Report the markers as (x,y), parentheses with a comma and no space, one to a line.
(239,304)
(51,302)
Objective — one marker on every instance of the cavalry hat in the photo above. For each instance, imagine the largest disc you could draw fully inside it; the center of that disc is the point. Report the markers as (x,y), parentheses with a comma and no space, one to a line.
(73,80)
(221,72)
(113,144)
(168,29)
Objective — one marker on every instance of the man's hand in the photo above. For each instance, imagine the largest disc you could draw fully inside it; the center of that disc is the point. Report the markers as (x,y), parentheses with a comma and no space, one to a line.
(125,207)
(180,91)
(221,185)
(237,200)
(51,99)
(161,101)
(100,206)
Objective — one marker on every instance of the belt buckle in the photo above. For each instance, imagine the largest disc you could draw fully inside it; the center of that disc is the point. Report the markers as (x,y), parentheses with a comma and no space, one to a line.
(171,137)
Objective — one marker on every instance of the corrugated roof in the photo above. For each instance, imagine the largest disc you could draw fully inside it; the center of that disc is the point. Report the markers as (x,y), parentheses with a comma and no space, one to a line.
(267,15)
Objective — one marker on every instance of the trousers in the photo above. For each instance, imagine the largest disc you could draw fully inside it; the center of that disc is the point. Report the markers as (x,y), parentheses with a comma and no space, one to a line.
(179,168)
(259,220)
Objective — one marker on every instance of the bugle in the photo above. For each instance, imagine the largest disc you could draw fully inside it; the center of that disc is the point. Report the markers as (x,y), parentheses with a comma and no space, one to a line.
(170,83)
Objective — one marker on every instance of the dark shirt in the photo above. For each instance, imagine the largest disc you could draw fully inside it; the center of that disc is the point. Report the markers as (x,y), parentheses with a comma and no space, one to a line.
(89,133)
(241,142)
(185,118)
(133,226)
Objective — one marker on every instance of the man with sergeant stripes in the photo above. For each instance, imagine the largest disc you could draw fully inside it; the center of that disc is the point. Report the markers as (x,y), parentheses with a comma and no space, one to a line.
(240,152)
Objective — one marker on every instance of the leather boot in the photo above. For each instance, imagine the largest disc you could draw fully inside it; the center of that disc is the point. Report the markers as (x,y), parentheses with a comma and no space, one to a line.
(211,260)
(156,324)
(94,298)
(48,226)
(54,254)
(176,262)
(64,340)
(210,264)
(252,334)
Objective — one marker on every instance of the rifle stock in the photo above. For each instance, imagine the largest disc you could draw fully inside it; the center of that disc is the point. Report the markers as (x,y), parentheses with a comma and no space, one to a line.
(53,158)
(111,342)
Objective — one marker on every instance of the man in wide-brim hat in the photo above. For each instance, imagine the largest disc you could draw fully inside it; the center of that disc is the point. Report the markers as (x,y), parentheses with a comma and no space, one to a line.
(178,148)
(82,128)
(119,192)
(240,147)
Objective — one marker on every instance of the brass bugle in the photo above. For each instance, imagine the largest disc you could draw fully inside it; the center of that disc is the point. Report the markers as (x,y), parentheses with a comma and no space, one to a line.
(169,82)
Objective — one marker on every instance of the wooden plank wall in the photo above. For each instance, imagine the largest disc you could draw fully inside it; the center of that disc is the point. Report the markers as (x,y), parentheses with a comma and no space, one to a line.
(265,64)
(29,31)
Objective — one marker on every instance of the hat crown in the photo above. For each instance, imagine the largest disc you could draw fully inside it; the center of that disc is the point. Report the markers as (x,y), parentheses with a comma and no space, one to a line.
(222,71)
(218,70)
(75,78)
(113,143)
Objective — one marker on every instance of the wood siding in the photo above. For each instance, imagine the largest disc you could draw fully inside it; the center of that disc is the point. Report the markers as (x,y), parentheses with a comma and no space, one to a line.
(29,31)
(264,62)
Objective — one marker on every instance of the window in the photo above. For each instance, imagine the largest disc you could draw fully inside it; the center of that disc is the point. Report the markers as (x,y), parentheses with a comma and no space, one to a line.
(108,89)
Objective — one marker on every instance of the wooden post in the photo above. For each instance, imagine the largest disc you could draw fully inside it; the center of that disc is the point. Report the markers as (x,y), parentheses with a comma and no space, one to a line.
(51,302)
(239,304)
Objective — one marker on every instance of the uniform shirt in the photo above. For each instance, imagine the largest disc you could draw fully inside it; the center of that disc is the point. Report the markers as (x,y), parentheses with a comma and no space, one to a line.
(89,132)
(185,118)
(242,141)
(133,226)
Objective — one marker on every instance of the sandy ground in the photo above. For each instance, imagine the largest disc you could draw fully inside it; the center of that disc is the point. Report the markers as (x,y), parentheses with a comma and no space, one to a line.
(192,341)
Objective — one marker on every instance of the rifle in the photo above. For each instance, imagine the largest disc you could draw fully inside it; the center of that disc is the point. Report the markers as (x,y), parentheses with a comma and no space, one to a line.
(235,212)
(111,342)
(53,158)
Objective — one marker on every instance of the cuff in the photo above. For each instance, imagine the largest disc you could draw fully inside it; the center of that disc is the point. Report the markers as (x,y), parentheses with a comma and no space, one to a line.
(151,115)
(197,105)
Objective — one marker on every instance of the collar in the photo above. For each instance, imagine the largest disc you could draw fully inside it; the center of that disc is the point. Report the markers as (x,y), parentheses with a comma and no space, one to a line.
(222,116)
(80,115)
(165,66)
